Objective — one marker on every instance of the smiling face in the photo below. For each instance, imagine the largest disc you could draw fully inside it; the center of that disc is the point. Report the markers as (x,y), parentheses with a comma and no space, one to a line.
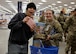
(30,11)
(48,14)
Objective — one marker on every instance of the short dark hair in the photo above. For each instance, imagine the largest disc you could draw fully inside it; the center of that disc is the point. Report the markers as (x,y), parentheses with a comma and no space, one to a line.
(31,5)
(61,12)
(75,9)
(53,11)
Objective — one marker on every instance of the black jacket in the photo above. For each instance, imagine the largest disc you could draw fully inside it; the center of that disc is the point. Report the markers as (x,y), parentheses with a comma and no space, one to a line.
(20,32)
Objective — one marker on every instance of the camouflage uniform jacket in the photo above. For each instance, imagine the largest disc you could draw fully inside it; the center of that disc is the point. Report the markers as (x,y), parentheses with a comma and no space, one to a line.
(61,20)
(42,19)
(54,24)
(70,26)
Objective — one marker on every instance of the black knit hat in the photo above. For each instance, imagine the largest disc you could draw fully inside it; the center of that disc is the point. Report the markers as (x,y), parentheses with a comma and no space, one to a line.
(31,5)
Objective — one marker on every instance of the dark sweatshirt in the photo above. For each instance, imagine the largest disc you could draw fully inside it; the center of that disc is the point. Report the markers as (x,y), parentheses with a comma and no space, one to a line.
(20,31)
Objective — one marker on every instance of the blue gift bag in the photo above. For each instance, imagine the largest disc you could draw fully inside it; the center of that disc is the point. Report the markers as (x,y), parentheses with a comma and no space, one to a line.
(49,50)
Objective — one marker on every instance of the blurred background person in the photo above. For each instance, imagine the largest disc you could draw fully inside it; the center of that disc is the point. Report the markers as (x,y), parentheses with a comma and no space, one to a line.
(54,15)
(61,18)
(71,33)
(42,17)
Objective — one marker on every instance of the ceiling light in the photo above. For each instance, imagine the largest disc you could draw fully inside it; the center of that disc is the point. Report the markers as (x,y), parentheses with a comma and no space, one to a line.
(49,6)
(70,6)
(25,2)
(37,5)
(65,5)
(73,8)
(43,0)
(46,7)
(60,6)
(42,9)
(5,9)
(54,4)
(56,7)
(12,6)
(59,2)
(8,1)
(40,3)
(72,2)
(2,11)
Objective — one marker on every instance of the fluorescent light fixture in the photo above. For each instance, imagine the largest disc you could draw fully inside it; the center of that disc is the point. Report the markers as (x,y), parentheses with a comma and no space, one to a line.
(43,0)
(73,8)
(37,5)
(56,7)
(42,9)
(13,7)
(70,6)
(1,11)
(40,3)
(5,9)
(46,7)
(59,2)
(72,2)
(65,5)
(54,4)
(8,1)
(25,2)
(49,6)
(60,6)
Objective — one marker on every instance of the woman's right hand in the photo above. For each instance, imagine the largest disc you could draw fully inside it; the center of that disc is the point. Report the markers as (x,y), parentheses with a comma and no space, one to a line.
(26,19)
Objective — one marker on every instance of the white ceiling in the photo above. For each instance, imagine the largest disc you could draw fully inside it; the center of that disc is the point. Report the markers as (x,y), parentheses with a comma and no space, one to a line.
(12,7)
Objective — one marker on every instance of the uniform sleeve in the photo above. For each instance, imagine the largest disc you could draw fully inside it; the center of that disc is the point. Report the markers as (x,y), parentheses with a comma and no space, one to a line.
(16,22)
(40,19)
(58,29)
(67,23)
